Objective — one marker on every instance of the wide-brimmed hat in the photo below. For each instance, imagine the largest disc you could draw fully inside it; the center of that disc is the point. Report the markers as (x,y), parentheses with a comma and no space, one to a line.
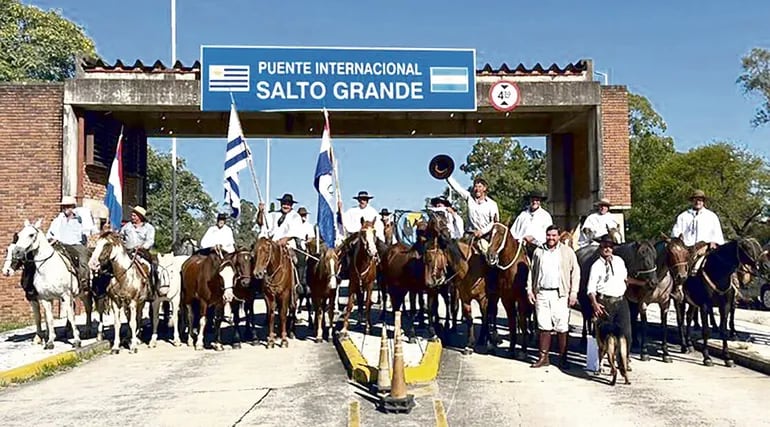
(140,211)
(442,200)
(605,239)
(698,194)
(68,201)
(222,216)
(363,195)
(302,211)
(603,202)
(287,199)
(384,211)
(537,194)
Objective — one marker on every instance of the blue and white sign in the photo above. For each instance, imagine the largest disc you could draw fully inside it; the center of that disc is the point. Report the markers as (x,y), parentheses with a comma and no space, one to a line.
(340,79)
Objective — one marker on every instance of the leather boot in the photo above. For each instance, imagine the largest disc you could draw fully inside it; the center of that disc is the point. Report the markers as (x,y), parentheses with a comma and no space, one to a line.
(545,346)
(563,364)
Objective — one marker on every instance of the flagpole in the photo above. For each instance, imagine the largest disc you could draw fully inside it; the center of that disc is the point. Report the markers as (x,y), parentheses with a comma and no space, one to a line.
(173,140)
(267,167)
(248,154)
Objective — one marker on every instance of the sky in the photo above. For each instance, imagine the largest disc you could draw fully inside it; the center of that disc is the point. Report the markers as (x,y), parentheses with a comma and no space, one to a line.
(684,56)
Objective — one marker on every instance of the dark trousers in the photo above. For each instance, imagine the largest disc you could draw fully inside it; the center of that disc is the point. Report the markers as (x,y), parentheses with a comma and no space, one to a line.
(78,254)
(618,319)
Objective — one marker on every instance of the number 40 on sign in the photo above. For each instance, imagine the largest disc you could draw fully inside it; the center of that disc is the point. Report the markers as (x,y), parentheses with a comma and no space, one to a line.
(504,95)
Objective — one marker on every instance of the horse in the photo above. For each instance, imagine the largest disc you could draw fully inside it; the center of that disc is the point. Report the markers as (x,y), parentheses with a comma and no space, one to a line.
(207,279)
(389,230)
(509,256)
(169,268)
(713,285)
(362,273)
(436,270)
(244,292)
(272,265)
(129,286)
(53,279)
(403,273)
(322,271)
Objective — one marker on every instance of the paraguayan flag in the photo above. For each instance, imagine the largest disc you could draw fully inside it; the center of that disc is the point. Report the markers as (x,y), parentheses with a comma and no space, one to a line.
(236,159)
(449,79)
(228,78)
(324,185)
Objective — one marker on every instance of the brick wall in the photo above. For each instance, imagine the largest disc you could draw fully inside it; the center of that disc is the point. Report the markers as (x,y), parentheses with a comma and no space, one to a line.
(30,171)
(616,163)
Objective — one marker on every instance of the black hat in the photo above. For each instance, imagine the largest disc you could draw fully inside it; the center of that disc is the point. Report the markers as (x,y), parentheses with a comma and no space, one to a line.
(302,211)
(384,211)
(287,199)
(537,194)
(440,199)
(605,239)
(222,216)
(363,195)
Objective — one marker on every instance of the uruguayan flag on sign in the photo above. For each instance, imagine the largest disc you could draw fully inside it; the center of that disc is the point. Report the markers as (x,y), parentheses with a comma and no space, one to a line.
(449,79)
(228,78)
(236,159)
(324,184)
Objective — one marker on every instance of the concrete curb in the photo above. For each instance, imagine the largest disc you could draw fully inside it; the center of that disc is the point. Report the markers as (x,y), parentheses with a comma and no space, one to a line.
(32,370)
(362,373)
(743,358)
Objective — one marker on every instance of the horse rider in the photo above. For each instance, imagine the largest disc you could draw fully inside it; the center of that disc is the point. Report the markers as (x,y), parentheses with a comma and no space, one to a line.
(307,230)
(597,224)
(69,231)
(552,287)
(285,227)
(218,236)
(139,237)
(531,224)
(454,221)
(351,222)
(700,229)
(386,218)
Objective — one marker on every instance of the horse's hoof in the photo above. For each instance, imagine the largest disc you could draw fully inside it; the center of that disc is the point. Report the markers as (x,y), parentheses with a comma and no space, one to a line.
(467,351)
(708,362)
(684,349)
(627,382)
(291,335)
(152,344)
(284,343)
(99,337)
(412,340)
(49,346)
(667,359)
(690,349)
(236,346)
(199,347)
(76,343)
(115,351)
(270,344)
(644,357)
(217,347)
(177,343)
(629,369)
(729,363)
(134,350)
(37,340)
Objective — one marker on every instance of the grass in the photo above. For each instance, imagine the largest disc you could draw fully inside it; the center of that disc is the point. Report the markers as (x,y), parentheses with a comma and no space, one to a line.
(9,326)
(50,369)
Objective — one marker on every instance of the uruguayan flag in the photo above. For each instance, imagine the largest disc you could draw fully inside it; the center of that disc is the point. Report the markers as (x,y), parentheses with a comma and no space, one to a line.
(324,185)
(449,79)
(236,159)
(228,78)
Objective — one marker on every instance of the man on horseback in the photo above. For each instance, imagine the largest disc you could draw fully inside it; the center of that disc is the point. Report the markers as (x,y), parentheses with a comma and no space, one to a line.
(307,231)
(597,224)
(385,218)
(70,230)
(700,229)
(351,222)
(139,237)
(531,224)
(285,227)
(218,235)
(454,221)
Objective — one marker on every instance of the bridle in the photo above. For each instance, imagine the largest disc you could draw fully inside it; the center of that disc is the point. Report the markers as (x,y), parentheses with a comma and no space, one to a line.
(502,246)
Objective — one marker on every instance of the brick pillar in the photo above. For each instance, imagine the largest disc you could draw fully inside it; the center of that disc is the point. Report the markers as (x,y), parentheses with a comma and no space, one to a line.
(615,159)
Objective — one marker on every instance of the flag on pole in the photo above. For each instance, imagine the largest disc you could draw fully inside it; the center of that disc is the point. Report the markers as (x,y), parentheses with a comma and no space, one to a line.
(114,197)
(325,186)
(236,159)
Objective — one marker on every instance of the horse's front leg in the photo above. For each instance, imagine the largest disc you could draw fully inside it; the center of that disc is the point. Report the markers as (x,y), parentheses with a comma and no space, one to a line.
(155,315)
(284,314)
(724,311)
(219,314)
(468,315)
(643,333)
(38,338)
(235,307)
(705,334)
(733,333)
(69,310)
(173,320)
(48,312)
(116,327)
(352,294)
(270,304)
(204,308)
(664,324)
(189,312)
(88,306)
(369,292)
(133,326)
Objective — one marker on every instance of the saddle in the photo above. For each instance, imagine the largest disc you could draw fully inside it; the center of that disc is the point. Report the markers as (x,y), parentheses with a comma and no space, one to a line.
(697,255)
(70,256)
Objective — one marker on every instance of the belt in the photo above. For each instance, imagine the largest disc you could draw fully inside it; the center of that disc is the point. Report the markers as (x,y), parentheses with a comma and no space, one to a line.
(608,297)
(548,289)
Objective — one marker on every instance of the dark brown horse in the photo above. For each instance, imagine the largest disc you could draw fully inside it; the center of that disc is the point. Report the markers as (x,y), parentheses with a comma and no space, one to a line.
(362,273)
(205,278)
(244,293)
(272,265)
(439,280)
(403,273)
(322,271)
(510,258)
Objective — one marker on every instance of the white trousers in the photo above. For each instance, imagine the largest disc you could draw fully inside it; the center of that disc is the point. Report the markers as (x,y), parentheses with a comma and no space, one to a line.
(552,311)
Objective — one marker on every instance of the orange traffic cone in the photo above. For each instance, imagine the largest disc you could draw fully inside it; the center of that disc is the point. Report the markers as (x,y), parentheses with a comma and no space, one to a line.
(398,400)
(383,370)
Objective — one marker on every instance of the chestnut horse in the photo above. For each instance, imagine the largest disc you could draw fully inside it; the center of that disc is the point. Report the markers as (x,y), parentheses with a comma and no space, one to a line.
(510,258)
(362,273)
(322,270)
(272,265)
(244,293)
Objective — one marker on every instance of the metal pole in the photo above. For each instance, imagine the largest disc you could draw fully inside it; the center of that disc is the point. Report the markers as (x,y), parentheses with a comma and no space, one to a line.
(173,140)
(605,75)
(267,180)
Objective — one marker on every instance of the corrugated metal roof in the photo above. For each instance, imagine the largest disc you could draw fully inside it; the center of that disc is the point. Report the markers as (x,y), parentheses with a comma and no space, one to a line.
(90,65)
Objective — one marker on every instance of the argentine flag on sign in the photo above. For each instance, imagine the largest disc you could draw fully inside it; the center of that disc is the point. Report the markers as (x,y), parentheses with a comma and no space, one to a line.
(324,184)
(236,159)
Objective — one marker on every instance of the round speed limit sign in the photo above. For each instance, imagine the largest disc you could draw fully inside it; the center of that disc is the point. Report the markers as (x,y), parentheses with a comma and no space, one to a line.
(504,95)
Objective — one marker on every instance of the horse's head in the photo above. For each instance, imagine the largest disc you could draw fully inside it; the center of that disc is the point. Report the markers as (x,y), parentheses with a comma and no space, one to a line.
(243,264)
(750,253)
(367,237)
(646,265)
(106,249)
(615,235)
(497,241)
(389,229)
(677,258)
(566,238)
(329,266)
(30,239)
(263,256)
(435,265)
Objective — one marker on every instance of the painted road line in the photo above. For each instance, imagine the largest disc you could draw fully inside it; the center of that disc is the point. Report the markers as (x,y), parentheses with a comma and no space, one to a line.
(438,410)
(31,370)
(354,414)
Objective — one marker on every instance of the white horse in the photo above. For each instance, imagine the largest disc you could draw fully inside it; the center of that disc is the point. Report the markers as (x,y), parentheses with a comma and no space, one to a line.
(53,280)
(170,269)
(128,289)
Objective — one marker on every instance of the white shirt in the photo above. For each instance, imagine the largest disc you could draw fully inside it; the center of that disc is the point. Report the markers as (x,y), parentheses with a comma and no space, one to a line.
(453,221)
(306,231)
(700,226)
(608,281)
(68,231)
(481,214)
(219,236)
(290,227)
(351,219)
(597,225)
(550,272)
(533,224)
(380,231)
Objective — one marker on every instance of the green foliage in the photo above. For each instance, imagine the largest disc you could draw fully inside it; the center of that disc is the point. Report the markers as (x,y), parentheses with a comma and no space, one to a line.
(37,45)
(755,79)
(245,227)
(195,209)
(511,169)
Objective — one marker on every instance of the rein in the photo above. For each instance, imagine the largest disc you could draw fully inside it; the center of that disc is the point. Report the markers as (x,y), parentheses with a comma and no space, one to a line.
(502,246)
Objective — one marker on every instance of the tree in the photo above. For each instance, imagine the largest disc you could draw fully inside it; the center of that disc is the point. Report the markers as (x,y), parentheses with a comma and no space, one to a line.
(755,79)
(195,209)
(38,45)
(244,228)
(511,169)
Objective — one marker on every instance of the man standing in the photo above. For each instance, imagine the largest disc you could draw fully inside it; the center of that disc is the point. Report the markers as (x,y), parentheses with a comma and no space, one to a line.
(552,287)
(531,223)
(71,231)
(597,224)
(698,225)
(218,235)
(139,236)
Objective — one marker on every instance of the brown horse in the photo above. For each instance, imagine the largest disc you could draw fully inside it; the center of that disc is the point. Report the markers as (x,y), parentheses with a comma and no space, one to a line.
(403,273)
(389,230)
(510,258)
(438,280)
(244,293)
(272,265)
(362,273)
(322,271)
(206,279)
